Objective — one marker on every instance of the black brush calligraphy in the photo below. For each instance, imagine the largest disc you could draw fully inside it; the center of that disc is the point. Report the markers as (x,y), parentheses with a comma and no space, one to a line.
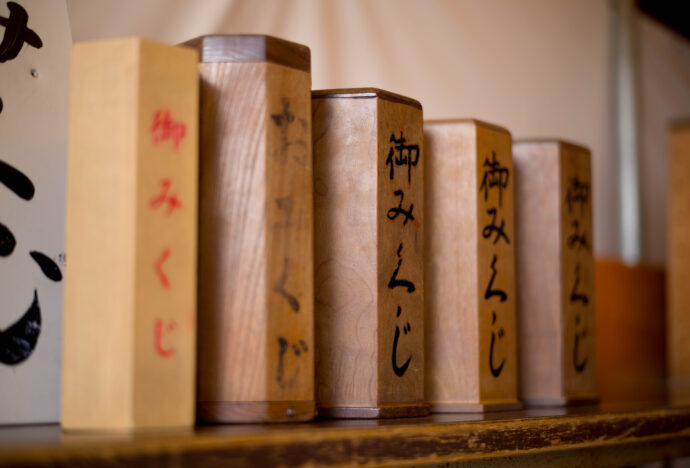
(284,120)
(393,213)
(578,364)
(279,288)
(18,341)
(493,228)
(577,195)
(495,177)
(395,282)
(490,291)
(17,33)
(298,348)
(400,370)
(575,294)
(495,370)
(402,154)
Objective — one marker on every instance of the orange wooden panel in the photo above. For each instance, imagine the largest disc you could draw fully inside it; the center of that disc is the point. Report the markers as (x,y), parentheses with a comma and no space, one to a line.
(631,341)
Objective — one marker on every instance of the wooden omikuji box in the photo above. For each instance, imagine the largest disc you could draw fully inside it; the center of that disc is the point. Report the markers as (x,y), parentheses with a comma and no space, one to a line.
(256,295)
(555,273)
(471,359)
(369,213)
(678,290)
(130,283)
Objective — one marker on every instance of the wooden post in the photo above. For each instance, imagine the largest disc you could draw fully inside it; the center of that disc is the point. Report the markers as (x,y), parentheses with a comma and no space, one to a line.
(130,291)
(678,314)
(369,200)
(555,273)
(470,336)
(256,295)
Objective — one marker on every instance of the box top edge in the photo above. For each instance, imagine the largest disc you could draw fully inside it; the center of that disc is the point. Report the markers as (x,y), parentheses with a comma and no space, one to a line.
(214,48)
(364,93)
(472,121)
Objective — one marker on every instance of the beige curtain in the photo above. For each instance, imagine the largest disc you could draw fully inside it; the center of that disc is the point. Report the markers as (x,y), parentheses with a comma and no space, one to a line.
(541,68)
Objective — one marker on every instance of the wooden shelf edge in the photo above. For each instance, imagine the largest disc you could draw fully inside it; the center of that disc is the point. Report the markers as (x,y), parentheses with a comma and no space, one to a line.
(436,439)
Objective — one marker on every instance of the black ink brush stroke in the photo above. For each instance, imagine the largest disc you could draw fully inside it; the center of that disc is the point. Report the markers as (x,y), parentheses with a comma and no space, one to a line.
(48,267)
(399,370)
(7,241)
(495,371)
(18,341)
(16,181)
(16,33)
(579,366)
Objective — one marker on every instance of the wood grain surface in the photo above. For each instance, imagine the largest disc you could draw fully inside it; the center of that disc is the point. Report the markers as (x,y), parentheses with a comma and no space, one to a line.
(471,332)
(545,437)
(368,254)
(345,274)
(555,273)
(130,294)
(256,346)
(678,257)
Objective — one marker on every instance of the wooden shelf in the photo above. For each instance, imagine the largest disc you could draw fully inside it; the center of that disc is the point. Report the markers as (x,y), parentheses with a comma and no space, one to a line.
(586,436)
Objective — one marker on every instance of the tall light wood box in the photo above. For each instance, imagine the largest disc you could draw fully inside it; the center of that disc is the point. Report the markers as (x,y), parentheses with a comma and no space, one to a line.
(471,336)
(130,284)
(555,273)
(256,294)
(369,224)
(678,293)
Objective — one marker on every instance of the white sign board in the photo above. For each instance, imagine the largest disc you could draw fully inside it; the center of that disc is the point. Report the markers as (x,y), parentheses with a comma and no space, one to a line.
(35,45)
